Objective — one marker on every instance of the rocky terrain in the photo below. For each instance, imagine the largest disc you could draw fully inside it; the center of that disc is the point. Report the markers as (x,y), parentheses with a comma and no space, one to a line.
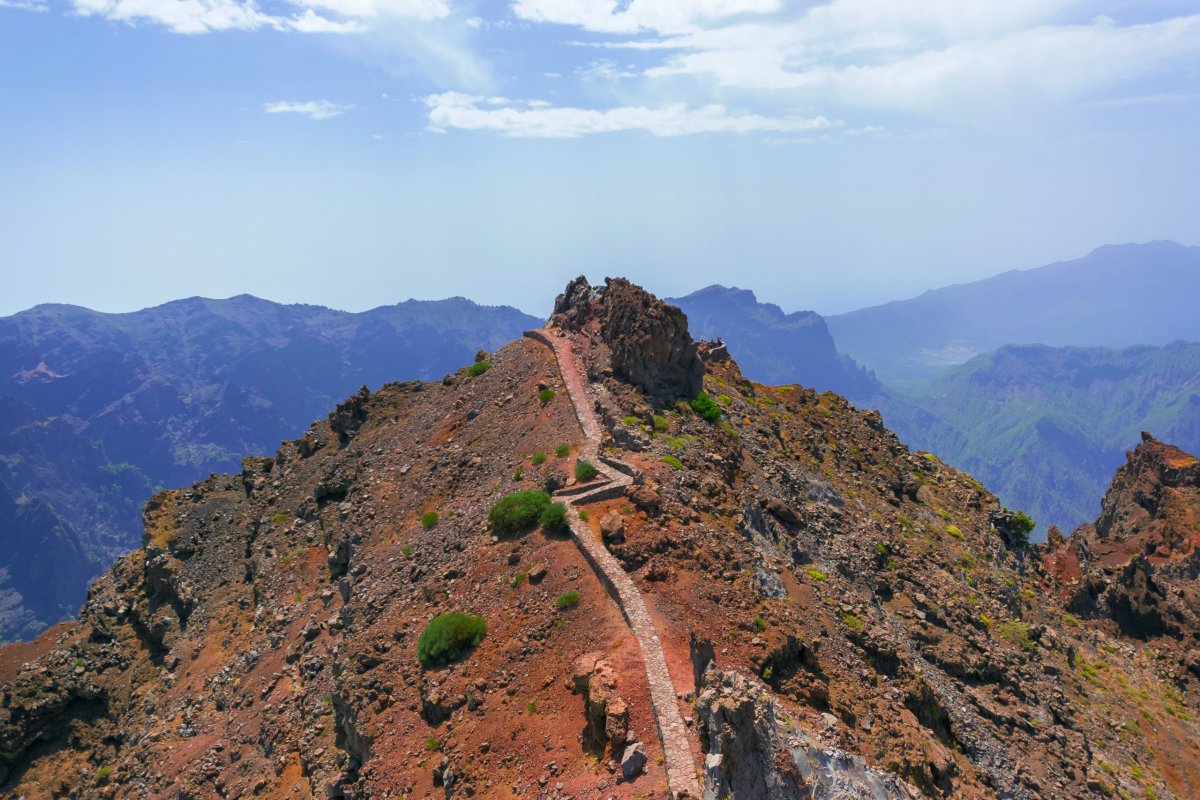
(96,409)
(761,593)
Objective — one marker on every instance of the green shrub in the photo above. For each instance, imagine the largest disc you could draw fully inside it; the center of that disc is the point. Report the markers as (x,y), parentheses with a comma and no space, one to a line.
(429,520)
(546,395)
(630,422)
(1022,527)
(759,624)
(447,636)
(537,458)
(661,424)
(567,600)
(553,518)
(954,531)
(278,518)
(517,474)
(584,471)
(517,511)
(815,574)
(531,707)
(103,773)
(672,462)
(561,451)
(724,399)
(432,744)
(1017,633)
(852,622)
(478,368)
(407,550)
(703,405)
(583,515)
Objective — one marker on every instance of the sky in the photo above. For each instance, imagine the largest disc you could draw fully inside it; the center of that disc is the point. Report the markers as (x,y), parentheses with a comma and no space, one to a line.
(352,153)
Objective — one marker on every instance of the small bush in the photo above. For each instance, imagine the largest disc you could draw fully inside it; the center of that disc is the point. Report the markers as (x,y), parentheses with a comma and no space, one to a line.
(531,707)
(553,518)
(546,395)
(630,422)
(517,511)
(517,474)
(724,399)
(815,574)
(852,622)
(429,520)
(407,550)
(584,471)
(703,405)
(561,451)
(954,531)
(537,458)
(567,600)
(478,368)
(280,517)
(661,424)
(447,636)
(1017,633)
(432,744)
(103,773)
(672,462)
(759,624)
(1071,620)
(583,515)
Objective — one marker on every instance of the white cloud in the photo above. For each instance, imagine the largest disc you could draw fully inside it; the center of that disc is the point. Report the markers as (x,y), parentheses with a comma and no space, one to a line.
(25,5)
(539,120)
(313,109)
(605,69)
(206,16)
(973,58)
(180,16)
(371,9)
(664,16)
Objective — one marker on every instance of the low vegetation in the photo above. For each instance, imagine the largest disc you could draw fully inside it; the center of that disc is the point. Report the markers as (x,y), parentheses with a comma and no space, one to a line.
(584,471)
(561,451)
(553,518)
(517,511)
(546,395)
(672,462)
(429,520)
(447,636)
(566,600)
(705,407)
(537,458)
(478,368)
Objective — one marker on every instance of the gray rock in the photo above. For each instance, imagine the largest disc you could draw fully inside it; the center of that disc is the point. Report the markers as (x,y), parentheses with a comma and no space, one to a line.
(633,761)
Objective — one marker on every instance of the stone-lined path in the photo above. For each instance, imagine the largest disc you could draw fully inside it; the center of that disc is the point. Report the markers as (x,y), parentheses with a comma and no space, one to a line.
(677,752)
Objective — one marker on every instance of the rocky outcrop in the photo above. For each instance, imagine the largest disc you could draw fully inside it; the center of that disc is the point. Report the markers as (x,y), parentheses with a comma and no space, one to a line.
(1139,562)
(607,715)
(752,754)
(651,347)
(648,338)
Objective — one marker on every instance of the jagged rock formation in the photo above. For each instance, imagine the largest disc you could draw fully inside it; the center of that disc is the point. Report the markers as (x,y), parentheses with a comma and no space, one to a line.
(647,339)
(263,641)
(753,754)
(1138,564)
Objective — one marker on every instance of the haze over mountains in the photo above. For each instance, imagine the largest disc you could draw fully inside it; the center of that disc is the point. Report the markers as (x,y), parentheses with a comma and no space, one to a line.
(98,409)
(1116,296)
(95,409)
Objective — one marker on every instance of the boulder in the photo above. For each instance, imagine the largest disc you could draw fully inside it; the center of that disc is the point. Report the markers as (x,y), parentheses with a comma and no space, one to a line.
(633,761)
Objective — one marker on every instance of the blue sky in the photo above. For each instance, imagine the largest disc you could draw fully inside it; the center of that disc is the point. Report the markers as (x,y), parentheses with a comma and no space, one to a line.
(352,153)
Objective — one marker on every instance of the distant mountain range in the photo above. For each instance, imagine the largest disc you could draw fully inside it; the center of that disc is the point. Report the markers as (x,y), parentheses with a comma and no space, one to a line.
(1046,427)
(95,409)
(1116,296)
(1043,426)
(773,347)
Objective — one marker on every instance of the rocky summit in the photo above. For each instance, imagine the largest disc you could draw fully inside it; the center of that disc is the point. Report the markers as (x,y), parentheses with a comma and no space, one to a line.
(600,563)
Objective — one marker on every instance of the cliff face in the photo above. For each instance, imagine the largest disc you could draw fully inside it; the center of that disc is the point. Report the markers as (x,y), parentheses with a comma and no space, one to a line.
(792,582)
(1138,563)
